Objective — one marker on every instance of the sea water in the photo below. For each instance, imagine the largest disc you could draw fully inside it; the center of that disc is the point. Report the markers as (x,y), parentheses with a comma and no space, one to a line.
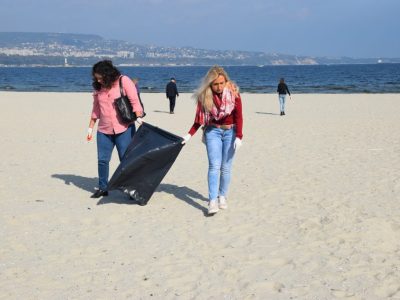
(374,78)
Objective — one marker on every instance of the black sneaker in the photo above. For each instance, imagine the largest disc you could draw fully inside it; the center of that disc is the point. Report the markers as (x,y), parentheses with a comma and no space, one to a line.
(99,193)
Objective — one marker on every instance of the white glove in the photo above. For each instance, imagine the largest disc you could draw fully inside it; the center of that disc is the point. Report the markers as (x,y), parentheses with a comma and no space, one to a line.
(89,134)
(186,138)
(139,120)
(237,144)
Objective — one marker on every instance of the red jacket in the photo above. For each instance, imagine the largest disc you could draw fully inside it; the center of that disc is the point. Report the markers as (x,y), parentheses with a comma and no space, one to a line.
(236,118)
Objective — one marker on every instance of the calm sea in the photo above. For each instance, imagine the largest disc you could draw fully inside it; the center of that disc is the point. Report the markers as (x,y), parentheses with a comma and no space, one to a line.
(377,78)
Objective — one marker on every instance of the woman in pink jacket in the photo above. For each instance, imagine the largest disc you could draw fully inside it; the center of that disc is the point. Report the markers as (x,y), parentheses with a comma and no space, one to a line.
(111,131)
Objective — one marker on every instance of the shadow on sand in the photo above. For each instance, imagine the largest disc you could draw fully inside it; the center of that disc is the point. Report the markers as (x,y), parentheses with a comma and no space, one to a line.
(180,192)
(185,194)
(267,113)
(84,183)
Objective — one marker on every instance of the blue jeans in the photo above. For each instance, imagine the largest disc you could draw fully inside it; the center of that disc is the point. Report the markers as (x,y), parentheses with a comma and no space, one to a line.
(282,100)
(105,146)
(220,152)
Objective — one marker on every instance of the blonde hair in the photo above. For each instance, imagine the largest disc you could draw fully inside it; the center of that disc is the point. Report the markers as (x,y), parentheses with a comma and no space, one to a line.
(204,93)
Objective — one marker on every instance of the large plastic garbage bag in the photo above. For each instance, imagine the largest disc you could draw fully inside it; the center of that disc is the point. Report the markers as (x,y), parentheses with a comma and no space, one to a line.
(147,160)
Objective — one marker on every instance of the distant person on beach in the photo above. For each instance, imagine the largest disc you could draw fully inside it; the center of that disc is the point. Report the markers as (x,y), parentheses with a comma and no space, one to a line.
(111,130)
(171,91)
(282,91)
(219,111)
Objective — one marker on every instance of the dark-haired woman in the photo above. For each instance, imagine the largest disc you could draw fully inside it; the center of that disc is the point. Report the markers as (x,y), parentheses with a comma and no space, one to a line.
(282,90)
(111,130)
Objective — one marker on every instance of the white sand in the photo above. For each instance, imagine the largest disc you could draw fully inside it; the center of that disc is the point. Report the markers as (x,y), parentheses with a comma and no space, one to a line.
(314,205)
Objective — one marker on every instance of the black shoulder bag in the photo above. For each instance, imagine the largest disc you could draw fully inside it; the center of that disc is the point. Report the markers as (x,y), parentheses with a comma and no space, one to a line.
(124,106)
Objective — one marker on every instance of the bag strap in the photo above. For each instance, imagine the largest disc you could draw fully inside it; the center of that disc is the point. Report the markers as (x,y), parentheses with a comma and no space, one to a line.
(121,90)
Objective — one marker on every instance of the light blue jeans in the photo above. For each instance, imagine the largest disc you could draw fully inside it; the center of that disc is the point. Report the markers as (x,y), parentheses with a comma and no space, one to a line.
(220,152)
(282,100)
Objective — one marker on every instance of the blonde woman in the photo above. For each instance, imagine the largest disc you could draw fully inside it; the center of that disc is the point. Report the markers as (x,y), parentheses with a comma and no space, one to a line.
(219,110)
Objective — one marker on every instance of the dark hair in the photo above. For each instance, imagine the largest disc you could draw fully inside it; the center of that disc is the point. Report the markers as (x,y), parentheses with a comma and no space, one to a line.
(282,80)
(108,71)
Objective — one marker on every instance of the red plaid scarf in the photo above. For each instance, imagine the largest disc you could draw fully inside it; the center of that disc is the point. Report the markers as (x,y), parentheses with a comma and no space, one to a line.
(220,109)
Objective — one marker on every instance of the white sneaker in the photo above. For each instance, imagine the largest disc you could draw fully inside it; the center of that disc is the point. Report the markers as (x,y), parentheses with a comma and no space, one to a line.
(213,207)
(222,203)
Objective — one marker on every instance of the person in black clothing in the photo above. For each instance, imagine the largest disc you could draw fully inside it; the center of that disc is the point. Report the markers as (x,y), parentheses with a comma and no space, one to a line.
(172,92)
(282,91)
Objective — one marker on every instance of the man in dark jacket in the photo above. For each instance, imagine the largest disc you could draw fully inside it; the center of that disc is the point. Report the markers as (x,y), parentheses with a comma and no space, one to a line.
(172,92)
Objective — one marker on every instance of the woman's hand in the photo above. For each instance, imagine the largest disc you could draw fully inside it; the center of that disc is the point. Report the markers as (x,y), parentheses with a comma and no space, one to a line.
(89,136)
(237,144)
(139,120)
(186,139)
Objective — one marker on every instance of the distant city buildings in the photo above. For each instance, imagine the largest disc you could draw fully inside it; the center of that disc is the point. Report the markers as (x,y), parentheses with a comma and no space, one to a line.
(55,48)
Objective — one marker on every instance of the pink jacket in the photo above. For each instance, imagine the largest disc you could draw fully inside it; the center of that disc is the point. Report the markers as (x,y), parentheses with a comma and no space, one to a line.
(104,109)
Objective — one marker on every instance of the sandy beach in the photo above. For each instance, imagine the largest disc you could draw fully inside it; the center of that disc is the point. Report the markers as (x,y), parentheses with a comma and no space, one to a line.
(314,205)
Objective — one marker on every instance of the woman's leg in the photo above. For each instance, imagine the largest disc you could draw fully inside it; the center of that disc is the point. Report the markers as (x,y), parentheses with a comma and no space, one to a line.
(122,141)
(228,152)
(105,146)
(282,99)
(214,152)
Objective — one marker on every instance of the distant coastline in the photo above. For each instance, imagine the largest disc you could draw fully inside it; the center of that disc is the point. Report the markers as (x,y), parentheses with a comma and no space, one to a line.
(186,65)
(59,49)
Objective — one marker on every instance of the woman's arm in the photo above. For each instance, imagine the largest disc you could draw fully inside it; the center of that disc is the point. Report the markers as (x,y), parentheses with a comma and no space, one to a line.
(287,89)
(94,116)
(238,117)
(92,122)
(198,119)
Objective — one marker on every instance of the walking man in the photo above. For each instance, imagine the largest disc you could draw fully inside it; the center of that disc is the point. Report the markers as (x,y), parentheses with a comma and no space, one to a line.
(171,91)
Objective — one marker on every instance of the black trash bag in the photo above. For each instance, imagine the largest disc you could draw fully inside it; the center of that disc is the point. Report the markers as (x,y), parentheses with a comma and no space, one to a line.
(147,160)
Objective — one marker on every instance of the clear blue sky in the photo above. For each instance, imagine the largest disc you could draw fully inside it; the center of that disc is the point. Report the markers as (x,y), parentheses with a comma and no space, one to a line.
(355,28)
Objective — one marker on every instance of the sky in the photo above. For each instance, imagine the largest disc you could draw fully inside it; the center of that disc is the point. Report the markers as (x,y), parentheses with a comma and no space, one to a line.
(334,28)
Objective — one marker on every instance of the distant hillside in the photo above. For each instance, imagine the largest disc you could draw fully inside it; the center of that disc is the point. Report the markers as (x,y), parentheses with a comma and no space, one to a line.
(57,49)
(16,39)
